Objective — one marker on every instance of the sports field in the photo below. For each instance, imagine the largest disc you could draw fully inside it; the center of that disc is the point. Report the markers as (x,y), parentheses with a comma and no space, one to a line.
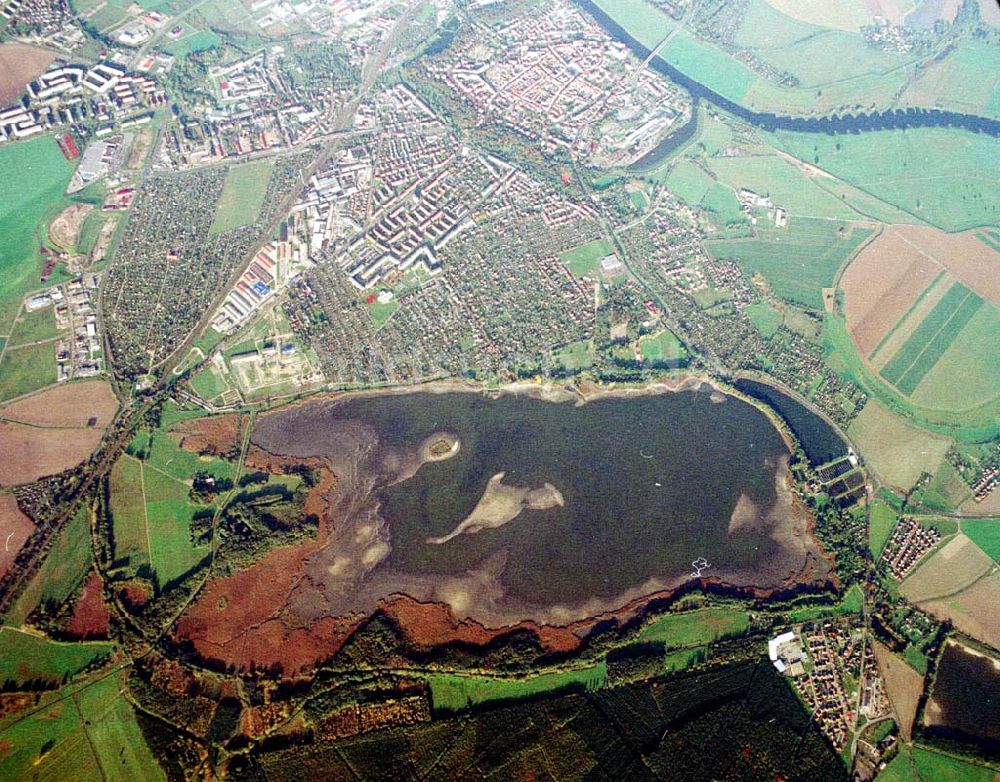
(42,174)
(242,196)
(576,356)
(662,349)
(797,261)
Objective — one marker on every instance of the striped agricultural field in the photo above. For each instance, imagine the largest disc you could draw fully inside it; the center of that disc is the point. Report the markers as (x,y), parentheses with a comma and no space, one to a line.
(928,342)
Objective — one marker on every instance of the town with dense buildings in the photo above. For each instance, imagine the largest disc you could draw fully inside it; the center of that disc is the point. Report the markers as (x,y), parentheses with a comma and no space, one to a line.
(220,217)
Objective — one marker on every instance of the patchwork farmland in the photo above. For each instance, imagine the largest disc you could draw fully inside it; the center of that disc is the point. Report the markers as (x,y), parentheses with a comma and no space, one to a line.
(920,306)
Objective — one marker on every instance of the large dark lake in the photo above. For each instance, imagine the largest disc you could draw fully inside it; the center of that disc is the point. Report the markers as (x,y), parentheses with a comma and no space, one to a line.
(965,702)
(648,484)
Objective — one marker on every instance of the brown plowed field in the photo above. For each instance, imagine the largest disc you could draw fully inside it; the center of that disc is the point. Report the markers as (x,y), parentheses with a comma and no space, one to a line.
(38,452)
(69,404)
(90,617)
(903,685)
(886,278)
(19,64)
(15,528)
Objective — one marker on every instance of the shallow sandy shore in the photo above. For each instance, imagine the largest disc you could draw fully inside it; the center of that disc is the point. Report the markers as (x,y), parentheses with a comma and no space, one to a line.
(502,503)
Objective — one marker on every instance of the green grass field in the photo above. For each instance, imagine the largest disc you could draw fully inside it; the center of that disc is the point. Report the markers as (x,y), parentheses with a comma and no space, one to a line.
(121,749)
(764,27)
(380,313)
(42,174)
(695,628)
(765,319)
(797,261)
(82,732)
(451,692)
(955,82)
(906,168)
(939,767)
(67,562)
(974,355)
(647,23)
(851,603)
(976,424)
(784,183)
(576,356)
(929,340)
(585,260)
(27,369)
(242,196)
(166,456)
(688,182)
(128,513)
(985,533)
(152,509)
(34,327)
(663,349)
(194,41)
(882,518)
(170,512)
(24,657)
(207,383)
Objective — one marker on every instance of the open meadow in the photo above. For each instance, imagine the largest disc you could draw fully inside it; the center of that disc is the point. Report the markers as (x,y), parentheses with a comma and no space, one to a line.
(152,509)
(64,568)
(585,260)
(797,261)
(24,657)
(242,195)
(43,174)
(974,611)
(953,567)
(903,685)
(450,692)
(954,192)
(83,731)
(895,450)
(27,368)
